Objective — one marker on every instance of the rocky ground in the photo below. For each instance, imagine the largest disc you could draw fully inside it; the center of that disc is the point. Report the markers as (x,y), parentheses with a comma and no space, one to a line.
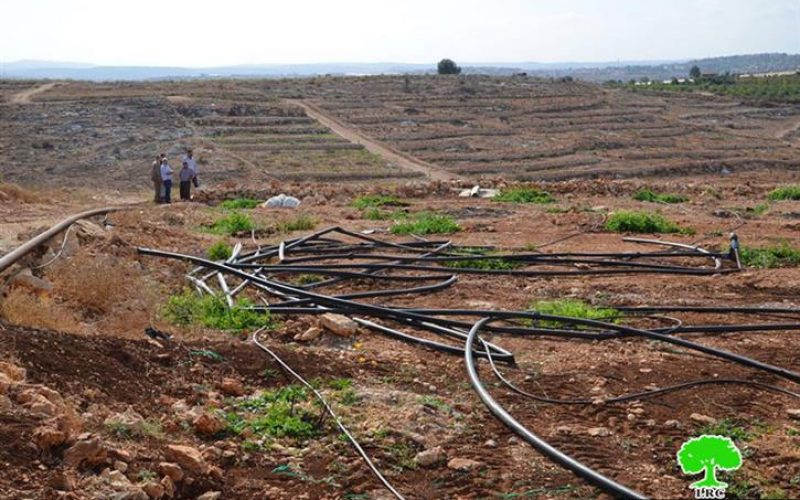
(93,408)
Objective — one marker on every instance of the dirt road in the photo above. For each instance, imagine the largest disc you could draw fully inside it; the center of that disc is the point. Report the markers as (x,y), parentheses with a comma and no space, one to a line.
(25,97)
(390,155)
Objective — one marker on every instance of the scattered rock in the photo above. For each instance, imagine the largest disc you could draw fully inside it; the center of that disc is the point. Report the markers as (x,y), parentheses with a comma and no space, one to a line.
(703,419)
(339,325)
(89,452)
(171,470)
(5,404)
(13,372)
(282,201)
(169,486)
(62,481)
(210,495)
(309,335)
(46,437)
(672,424)
(188,458)
(231,387)
(794,413)
(208,424)
(5,383)
(491,443)
(431,457)
(153,489)
(463,464)
(120,466)
(25,279)
(598,432)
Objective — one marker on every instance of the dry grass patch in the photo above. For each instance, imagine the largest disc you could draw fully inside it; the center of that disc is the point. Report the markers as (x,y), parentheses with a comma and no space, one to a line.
(21,307)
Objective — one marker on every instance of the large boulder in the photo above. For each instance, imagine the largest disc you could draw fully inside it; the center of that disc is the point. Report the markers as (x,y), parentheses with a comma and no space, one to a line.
(89,452)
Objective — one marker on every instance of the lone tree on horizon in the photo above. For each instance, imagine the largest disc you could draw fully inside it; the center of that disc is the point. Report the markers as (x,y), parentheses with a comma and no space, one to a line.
(707,454)
(695,72)
(448,67)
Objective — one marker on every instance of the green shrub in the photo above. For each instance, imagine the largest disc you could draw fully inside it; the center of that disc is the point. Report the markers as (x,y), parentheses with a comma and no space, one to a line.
(642,222)
(374,213)
(652,197)
(782,255)
(274,414)
(233,223)
(189,308)
(307,279)
(220,251)
(239,203)
(427,223)
(376,200)
(785,193)
(497,263)
(300,223)
(524,195)
(574,309)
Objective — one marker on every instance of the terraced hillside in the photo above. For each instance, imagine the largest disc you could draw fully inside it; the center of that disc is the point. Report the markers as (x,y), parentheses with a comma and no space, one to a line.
(528,128)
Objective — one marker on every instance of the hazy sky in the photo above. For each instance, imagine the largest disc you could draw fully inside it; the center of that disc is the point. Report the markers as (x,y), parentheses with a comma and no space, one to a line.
(207,33)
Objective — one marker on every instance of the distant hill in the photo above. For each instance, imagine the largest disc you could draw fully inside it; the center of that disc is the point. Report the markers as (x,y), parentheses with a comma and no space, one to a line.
(602,71)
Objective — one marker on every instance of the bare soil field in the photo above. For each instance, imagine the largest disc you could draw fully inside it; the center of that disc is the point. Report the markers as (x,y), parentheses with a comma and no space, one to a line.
(92,407)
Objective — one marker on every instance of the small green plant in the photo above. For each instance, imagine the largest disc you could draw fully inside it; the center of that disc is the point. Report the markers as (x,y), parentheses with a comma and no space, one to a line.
(274,414)
(436,403)
(427,223)
(146,475)
(239,204)
(302,222)
(652,197)
(642,222)
(376,200)
(219,251)
(784,193)
(307,279)
(403,455)
(374,213)
(189,308)
(573,308)
(524,195)
(232,224)
(782,255)
(735,429)
(208,354)
(141,429)
(497,263)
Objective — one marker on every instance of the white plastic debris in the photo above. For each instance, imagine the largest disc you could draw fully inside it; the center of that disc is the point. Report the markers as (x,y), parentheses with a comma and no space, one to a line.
(282,201)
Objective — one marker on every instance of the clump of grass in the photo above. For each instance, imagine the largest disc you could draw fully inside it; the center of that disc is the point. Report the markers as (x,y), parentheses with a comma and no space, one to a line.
(653,197)
(642,222)
(219,251)
(307,279)
(785,193)
(573,308)
(376,200)
(524,195)
(736,429)
(374,213)
(302,222)
(427,223)
(489,263)
(232,224)
(782,255)
(239,204)
(188,309)
(274,414)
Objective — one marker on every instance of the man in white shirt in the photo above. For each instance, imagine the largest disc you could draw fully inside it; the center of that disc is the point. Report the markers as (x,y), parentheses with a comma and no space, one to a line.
(166,178)
(189,160)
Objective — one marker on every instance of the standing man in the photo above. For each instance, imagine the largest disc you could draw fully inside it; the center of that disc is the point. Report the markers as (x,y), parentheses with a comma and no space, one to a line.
(166,178)
(155,176)
(192,163)
(185,175)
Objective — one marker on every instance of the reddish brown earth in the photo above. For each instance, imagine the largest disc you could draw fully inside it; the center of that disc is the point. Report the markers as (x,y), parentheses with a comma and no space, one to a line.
(82,345)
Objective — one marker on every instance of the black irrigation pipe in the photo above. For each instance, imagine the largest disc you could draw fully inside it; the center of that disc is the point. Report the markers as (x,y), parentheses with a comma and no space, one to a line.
(604,483)
(318,248)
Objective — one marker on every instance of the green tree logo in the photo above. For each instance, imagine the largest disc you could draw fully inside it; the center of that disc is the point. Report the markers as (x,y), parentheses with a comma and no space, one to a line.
(707,454)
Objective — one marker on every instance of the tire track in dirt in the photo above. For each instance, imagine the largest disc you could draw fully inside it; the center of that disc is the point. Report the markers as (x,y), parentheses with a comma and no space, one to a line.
(26,96)
(389,154)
